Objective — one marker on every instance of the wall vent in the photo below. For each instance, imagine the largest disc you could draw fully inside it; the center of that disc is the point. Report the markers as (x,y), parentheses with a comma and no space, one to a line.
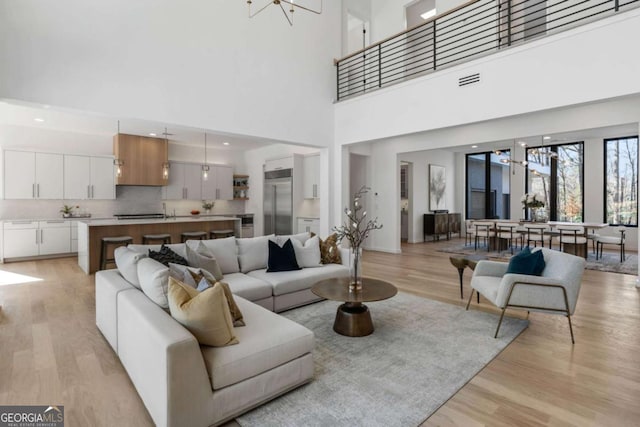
(470,79)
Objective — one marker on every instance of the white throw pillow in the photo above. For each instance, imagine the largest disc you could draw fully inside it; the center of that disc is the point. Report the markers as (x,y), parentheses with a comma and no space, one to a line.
(307,254)
(224,250)
(154,280)
(181,272)
(127,263)
(253,253)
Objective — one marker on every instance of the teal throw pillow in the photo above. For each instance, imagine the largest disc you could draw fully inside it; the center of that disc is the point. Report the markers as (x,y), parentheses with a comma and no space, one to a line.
(527,262)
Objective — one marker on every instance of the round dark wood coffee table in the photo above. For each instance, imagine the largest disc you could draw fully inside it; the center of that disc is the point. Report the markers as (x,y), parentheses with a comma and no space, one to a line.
(353,318)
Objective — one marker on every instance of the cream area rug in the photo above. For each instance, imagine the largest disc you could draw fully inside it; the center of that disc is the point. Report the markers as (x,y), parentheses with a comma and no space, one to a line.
(420,354)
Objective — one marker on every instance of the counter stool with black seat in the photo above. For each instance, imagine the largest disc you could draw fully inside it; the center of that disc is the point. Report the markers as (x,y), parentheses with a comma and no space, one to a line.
(164,238)
(220,234)
(193,235)
(114,242)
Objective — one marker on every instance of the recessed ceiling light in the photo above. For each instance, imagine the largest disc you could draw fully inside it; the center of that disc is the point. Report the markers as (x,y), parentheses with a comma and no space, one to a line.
(38,119)
(546,137)
(152,134)
(428,14)
(474,146)
(225,143)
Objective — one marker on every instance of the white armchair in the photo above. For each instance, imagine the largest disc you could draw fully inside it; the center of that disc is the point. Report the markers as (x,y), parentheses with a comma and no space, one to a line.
(556,291)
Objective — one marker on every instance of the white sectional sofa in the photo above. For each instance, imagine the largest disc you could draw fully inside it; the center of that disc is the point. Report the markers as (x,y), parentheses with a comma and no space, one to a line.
(185,384)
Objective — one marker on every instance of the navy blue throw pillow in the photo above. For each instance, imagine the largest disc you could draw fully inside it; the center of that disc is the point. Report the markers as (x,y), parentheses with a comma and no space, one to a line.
(282,258)
(527,262)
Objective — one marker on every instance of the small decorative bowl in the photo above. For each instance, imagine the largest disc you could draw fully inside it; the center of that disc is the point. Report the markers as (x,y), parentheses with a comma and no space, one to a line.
(195,212)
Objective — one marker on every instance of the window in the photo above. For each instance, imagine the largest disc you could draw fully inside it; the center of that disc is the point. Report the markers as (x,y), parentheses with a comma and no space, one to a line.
(621,181)
(488,186)
(557,173)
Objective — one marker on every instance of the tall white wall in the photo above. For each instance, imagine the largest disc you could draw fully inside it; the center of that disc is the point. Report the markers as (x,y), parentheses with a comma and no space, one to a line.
(564,69)
(197,63)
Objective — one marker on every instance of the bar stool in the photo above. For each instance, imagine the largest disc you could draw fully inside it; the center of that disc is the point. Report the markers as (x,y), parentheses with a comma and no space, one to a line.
(150,238)
(115,241)
(193,235)
(220,234)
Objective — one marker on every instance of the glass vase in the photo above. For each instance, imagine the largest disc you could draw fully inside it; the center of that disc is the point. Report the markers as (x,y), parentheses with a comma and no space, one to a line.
(355,270)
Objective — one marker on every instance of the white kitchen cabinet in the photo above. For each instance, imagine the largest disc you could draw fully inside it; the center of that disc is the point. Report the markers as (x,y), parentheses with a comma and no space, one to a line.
(77,177)
(184,182)
(88,178)
(49,176)
(103,184)
(29,175)
(219,185)
(311,225)
(311,177)
(19,175)
(277,164)
(33,238)
(55,237)
(20,239)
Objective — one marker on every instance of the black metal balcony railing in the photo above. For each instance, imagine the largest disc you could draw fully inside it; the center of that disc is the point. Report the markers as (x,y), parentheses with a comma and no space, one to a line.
(473,29)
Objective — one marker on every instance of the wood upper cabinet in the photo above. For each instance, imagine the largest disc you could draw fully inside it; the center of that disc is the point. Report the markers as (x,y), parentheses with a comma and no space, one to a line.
(143,159)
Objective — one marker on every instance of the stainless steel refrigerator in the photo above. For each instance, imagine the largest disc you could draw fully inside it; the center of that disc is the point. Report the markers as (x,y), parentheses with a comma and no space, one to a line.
(278,202)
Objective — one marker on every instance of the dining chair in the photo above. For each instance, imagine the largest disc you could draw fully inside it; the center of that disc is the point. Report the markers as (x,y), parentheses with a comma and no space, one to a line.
(572,235)
(538,233)
(469,231)
(484,230)
(612,240)
(508,231)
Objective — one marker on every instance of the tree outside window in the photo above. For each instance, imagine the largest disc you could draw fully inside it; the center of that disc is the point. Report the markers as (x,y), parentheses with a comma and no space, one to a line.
(621,181)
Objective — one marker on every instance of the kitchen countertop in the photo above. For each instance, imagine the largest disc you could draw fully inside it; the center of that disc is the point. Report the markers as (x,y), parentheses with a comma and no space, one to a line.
(111,218)
(192,218)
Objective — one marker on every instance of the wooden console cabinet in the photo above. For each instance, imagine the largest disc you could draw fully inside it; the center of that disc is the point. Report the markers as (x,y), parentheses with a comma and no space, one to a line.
(438,224)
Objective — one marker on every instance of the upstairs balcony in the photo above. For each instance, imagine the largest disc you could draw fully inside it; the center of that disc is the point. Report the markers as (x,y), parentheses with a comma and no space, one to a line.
(472,30)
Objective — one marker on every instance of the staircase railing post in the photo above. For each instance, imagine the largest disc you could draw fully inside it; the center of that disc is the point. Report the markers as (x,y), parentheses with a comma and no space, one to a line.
(617,5)
(380,65)
(434,45)
(508,22)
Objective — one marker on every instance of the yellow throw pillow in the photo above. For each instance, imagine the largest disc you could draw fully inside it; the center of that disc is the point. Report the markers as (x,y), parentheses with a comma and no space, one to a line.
(205,314)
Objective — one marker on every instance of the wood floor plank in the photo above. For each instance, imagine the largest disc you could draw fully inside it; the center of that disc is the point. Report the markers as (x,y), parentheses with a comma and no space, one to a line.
(52,352)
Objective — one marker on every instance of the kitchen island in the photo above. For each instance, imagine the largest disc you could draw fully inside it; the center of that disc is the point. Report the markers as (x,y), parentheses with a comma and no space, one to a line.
(90,233)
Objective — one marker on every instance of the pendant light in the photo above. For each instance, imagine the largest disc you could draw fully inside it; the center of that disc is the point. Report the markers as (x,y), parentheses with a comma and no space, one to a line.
(205,166)
(165,165)
(117,162)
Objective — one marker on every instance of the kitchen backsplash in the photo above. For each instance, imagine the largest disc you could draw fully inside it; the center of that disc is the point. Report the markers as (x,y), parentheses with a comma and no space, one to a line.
(129,200)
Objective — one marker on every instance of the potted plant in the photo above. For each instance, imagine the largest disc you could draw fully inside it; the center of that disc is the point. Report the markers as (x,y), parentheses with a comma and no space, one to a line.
(67,210)
(207,206)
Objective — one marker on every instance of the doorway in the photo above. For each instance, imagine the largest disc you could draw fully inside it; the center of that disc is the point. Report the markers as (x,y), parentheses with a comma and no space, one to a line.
(406,202)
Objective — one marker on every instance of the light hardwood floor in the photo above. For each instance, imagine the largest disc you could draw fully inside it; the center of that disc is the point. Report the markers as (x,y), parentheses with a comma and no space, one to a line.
(52,353)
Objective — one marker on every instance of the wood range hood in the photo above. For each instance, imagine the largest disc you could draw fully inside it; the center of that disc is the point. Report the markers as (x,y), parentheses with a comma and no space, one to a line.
(142,160)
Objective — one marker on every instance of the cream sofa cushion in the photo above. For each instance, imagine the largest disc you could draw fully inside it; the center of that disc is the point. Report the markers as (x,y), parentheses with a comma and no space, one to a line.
(268,341)
(292,281)
(127,263)
(248,287)
(205,314)
(224,250)
(202,257)
(154,281)
(253,253)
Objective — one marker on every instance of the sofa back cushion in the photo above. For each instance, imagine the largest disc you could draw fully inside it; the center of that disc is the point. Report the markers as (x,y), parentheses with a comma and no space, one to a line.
(127,263)
(300,237)
(253,253)
(224,250)
(154,280)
